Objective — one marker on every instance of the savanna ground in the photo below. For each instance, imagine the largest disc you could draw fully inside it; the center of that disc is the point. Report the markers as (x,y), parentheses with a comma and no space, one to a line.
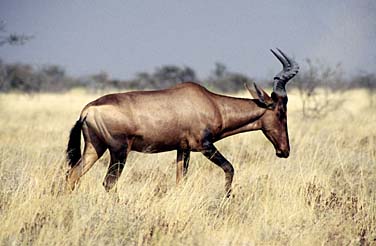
(323,194)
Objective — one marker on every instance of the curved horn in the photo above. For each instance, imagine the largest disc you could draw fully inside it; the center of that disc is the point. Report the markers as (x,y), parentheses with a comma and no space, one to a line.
(289,70)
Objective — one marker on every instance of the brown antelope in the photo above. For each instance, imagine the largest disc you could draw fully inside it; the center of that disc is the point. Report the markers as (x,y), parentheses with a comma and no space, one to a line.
(186,118)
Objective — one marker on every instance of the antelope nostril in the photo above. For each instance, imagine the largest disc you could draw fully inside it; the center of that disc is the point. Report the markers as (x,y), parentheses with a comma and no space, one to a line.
(287,153)
(282,154)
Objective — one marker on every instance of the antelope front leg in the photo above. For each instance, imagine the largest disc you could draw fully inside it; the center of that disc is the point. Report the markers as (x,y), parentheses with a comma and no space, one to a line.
(186,157)
(182,163)
(179,166)
(217,158)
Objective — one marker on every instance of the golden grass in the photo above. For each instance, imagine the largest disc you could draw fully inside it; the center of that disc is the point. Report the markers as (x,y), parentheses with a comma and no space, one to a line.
(324,193)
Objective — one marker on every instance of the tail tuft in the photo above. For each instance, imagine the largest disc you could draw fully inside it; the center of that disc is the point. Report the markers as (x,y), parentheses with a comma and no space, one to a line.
(74,144)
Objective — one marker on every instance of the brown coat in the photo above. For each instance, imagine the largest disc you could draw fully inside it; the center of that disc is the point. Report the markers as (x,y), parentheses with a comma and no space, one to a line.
(186,118)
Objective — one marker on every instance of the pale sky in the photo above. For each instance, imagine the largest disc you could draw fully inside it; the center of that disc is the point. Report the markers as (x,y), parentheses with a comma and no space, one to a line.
(126,37)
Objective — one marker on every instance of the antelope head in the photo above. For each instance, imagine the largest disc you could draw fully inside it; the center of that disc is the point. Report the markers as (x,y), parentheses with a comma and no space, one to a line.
(274,120)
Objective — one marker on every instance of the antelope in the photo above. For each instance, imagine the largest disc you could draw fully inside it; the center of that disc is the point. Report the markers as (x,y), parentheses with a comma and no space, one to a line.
(185,118)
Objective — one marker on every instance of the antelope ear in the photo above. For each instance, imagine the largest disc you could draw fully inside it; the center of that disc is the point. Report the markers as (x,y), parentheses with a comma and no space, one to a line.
(259,94)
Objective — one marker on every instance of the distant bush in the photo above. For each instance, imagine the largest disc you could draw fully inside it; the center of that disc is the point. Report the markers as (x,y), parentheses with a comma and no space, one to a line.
(163,77)
(223,80)
(367,81)
(25,78)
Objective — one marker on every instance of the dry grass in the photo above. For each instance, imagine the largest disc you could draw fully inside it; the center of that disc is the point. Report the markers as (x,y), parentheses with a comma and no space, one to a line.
(323,194)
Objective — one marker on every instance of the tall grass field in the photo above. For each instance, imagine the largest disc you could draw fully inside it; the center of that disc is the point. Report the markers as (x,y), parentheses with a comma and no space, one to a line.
(323,194)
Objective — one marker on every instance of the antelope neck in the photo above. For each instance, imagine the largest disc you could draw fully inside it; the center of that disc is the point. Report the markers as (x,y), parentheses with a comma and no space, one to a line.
(239,115)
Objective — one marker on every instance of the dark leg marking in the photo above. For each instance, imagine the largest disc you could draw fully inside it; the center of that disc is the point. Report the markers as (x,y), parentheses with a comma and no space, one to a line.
(182,163)
(186,158)
(179,166)
(217,158)
(117,163)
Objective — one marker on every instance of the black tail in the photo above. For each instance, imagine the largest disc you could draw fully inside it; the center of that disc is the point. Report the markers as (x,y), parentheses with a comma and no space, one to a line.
(74,144)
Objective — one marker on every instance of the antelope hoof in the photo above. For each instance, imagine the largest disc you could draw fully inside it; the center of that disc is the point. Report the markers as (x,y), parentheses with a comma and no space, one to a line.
(70,185)
(228,193)
(108,184)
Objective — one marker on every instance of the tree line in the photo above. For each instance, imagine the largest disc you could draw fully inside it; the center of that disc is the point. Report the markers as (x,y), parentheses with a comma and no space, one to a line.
(320,86)
(53,78)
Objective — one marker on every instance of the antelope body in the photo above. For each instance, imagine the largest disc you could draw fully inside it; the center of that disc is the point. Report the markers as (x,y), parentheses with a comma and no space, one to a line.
(185,118)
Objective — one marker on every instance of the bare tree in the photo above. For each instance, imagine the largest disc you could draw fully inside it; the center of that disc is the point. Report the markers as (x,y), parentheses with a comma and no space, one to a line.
(11,38)
(316,87)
